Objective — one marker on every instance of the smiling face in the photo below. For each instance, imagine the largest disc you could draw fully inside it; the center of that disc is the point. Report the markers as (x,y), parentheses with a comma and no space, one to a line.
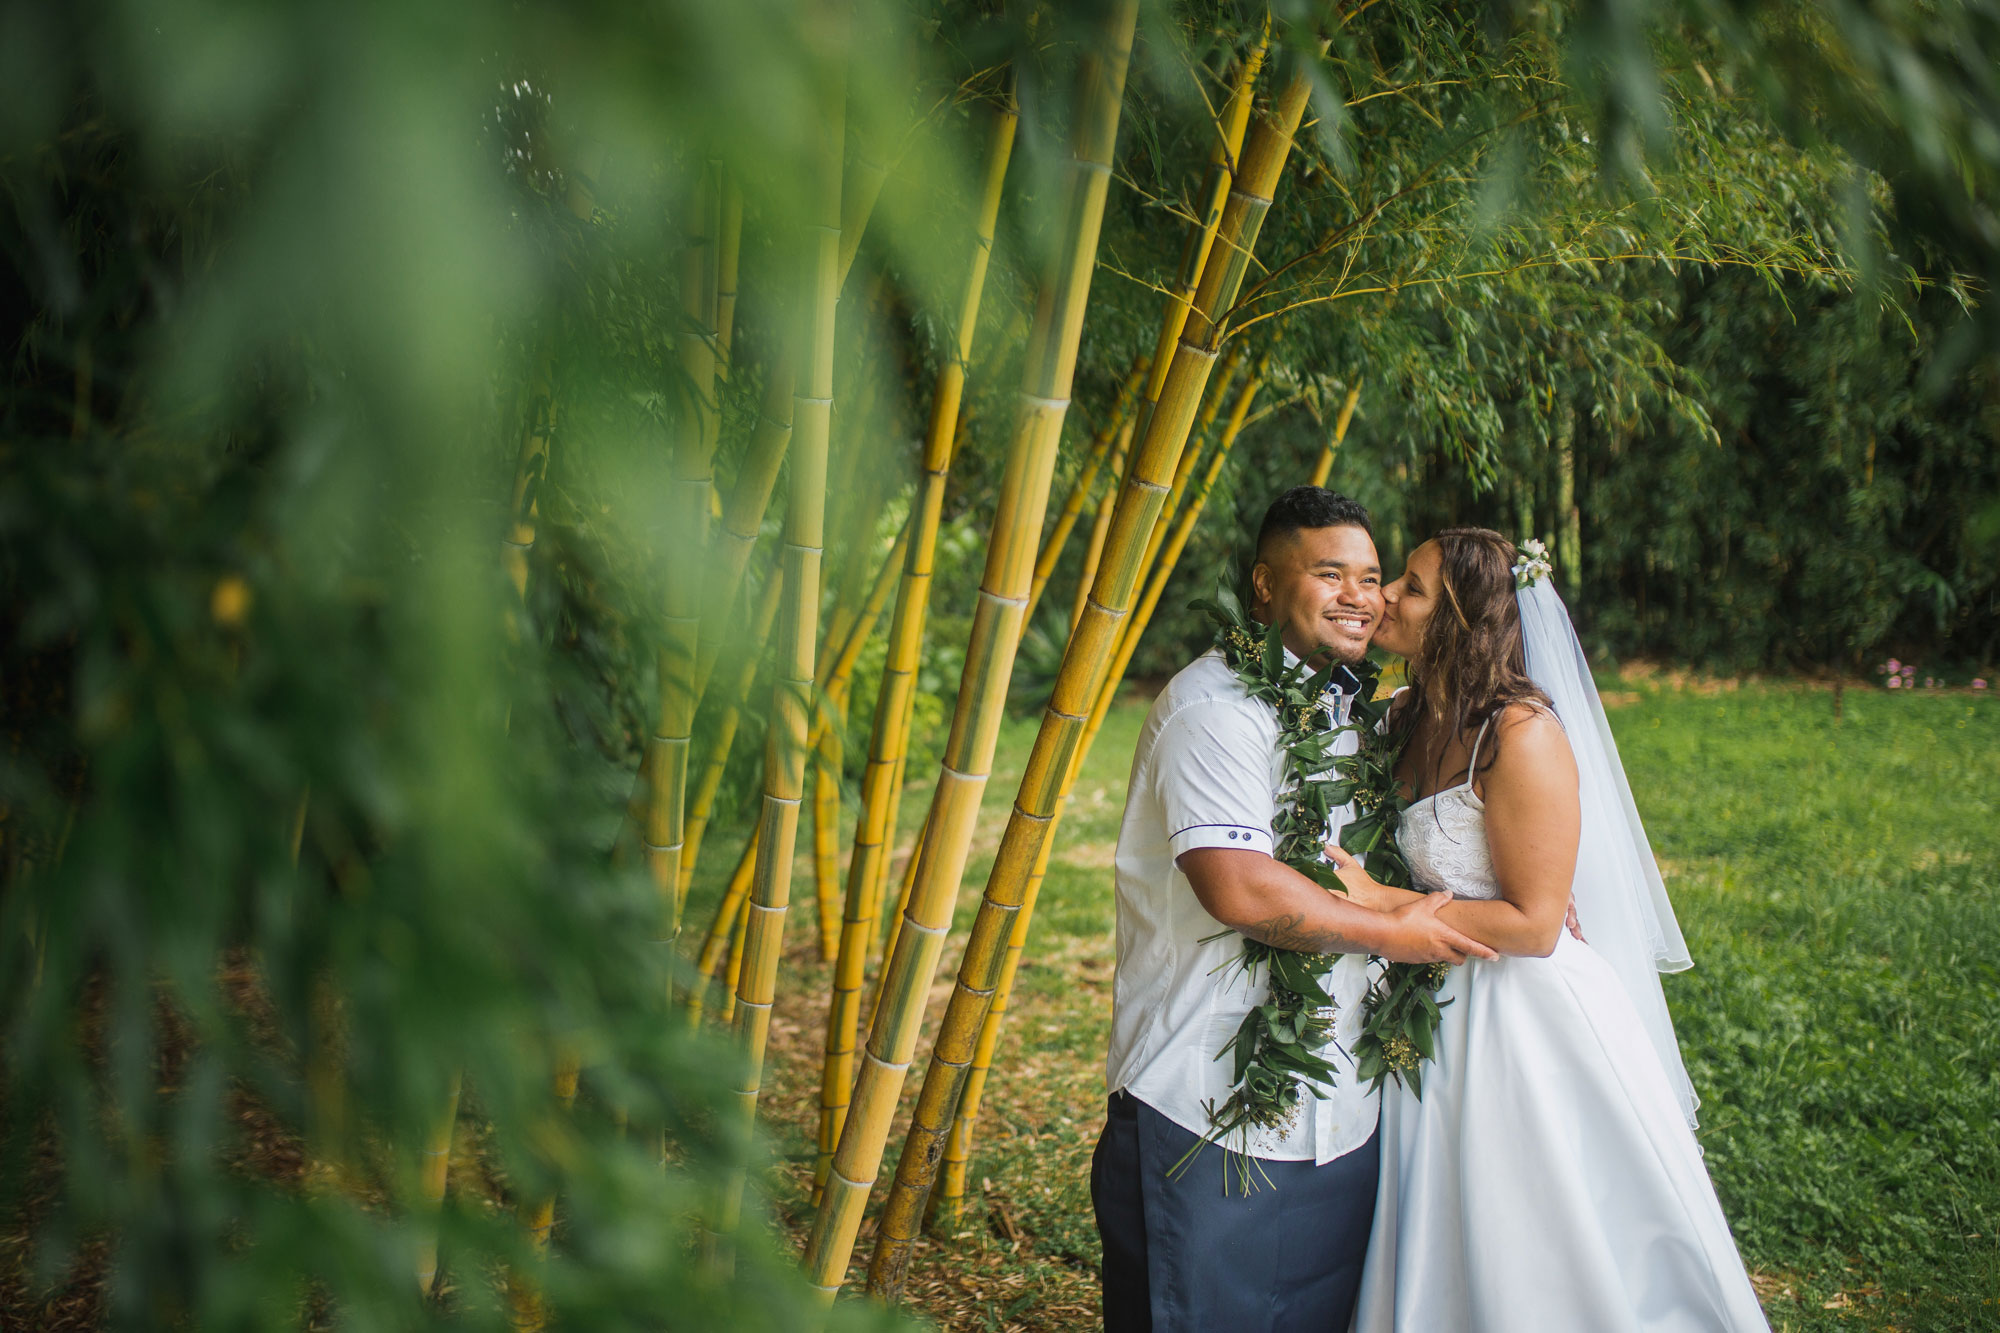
(1323,586)
(1407,603)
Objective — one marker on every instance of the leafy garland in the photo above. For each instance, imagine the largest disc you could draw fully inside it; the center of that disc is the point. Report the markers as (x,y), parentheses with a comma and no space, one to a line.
(1277,1047)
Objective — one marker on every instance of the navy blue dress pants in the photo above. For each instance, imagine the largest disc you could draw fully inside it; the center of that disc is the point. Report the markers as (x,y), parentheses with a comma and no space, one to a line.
(1187,1251)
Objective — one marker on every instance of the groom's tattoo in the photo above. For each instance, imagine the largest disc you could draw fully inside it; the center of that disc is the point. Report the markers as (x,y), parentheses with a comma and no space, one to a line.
(1289,931)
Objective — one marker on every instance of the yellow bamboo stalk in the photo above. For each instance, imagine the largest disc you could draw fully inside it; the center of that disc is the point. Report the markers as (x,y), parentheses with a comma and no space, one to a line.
(729,908)
(1079,494)
(906,685)
(1042,403)
(717,760)
(732,973)
(888,744)
(830,748)
(1214,198)
(958,1148)
(529,471)
(1190,459)
(538,1217)
(689,495)
(757,479)
(908,885)
(1324,468)
(1160,561)
(728,260)
(1093,550)
(743,516)
(786,745)
(724,942)
(950,1199)
(531,467)
(1078,683)
(431,1176)
(859,191)
(725,931)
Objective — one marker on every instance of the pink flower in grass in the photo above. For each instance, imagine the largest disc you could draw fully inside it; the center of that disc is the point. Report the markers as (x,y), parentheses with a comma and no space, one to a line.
(1978,684)
(1895,682)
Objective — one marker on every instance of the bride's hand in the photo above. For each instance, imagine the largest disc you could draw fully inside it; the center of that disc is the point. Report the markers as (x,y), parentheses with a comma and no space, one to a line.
(1361,886)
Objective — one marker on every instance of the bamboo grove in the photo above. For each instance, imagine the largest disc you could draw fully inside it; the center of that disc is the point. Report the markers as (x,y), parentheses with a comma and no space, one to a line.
(832,381)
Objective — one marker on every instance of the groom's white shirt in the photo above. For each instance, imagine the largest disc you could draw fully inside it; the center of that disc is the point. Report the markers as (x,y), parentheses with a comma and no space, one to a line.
(1206,774)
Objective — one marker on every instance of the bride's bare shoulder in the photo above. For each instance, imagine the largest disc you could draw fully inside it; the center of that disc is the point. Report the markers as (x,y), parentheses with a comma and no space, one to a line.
(1531,738)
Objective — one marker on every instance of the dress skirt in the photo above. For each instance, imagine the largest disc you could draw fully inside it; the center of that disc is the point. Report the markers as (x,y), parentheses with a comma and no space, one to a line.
(1547,1180)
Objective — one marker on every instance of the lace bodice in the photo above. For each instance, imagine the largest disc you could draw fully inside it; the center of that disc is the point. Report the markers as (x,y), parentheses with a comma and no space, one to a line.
(1443,837)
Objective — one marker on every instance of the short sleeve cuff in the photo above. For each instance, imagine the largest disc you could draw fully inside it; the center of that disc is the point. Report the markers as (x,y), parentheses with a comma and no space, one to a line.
(1236,837)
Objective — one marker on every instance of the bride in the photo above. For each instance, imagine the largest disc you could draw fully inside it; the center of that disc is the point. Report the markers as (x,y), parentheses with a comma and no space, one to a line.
(1548,1178)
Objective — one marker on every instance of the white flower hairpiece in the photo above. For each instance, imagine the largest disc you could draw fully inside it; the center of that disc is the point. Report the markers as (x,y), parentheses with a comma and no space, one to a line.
(1533,566)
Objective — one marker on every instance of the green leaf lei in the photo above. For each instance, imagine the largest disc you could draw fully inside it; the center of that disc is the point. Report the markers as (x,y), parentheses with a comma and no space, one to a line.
(1277,1047)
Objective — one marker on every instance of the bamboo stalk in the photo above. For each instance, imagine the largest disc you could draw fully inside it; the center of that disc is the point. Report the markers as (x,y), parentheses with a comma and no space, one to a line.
(805,521)
(860,189)
(728,260)
(431,1176)
(950,1200)
(732,973)
(1190,459)
(1093,550)
(743,516)
(958,1148)
(908,885)
(529,472)
(888,744)
(1042,403)
(725,934)
(1223,159)
(689,496)
(827,759)
(1078,683)
(1079,494)
(830,747)
(726,727)
(539,1216)
(1160,563)
(1324,468)
(757,479)
(890,821)
(725,929)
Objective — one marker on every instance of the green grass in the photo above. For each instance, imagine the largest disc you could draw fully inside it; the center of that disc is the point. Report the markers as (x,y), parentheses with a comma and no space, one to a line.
(1839,885)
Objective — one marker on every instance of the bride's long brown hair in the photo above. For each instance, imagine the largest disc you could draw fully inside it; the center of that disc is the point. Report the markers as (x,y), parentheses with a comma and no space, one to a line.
(1472,662)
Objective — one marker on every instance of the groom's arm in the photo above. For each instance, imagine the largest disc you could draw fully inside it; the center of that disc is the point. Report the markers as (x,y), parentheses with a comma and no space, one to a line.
(1265,899)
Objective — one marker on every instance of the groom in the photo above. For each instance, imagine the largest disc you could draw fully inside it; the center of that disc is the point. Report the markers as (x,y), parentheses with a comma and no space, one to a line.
(1183,1251)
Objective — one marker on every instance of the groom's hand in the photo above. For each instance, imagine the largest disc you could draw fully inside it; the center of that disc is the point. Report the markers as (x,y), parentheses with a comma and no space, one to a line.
(1414,933)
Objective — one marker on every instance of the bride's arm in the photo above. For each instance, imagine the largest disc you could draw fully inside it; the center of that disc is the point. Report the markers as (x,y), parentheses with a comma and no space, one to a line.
(1532,825)
(1533,820)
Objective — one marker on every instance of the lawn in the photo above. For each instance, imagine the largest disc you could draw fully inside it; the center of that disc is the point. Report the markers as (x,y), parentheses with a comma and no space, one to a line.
(1839,884)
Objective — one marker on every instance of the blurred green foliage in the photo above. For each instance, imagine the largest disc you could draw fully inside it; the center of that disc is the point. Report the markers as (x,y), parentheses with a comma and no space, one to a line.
(303,813)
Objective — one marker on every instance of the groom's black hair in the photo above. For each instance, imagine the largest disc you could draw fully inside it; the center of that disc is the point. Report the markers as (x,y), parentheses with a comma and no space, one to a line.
(1305,507)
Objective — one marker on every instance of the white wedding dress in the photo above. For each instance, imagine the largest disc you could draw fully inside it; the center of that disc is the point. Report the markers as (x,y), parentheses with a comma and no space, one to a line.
(1548,1180)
